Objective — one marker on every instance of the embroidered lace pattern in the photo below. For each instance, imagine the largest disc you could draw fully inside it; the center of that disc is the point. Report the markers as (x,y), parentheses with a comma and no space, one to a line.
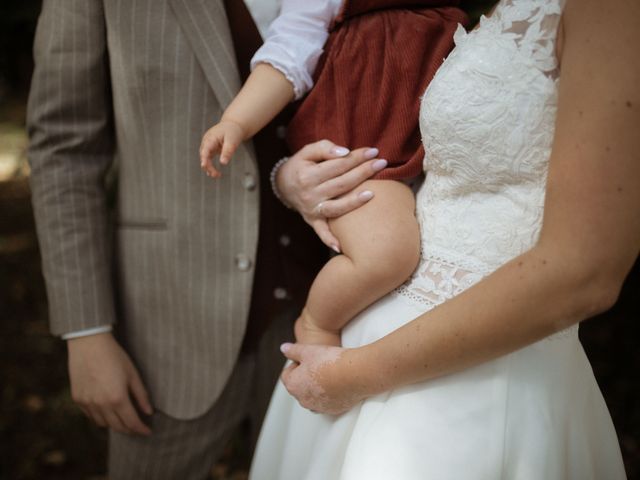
(437,281)
(487,121)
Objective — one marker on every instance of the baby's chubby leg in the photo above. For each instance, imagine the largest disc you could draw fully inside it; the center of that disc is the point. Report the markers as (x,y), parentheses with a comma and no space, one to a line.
(380,242)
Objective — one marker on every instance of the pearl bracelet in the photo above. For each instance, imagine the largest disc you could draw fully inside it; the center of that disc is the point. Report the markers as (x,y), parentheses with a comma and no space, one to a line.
(274,184)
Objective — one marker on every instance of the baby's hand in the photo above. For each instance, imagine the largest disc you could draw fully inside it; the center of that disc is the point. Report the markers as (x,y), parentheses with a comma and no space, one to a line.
(222,139)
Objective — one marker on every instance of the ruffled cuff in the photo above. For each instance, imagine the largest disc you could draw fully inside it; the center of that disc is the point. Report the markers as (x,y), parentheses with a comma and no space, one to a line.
(280,59)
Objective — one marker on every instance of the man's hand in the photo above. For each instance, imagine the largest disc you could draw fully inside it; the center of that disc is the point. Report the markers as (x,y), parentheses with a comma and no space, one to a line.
(223,138)
(321,181)
(104,381)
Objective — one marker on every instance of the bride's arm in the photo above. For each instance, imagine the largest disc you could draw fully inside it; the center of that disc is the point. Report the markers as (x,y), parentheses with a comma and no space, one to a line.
(588,243)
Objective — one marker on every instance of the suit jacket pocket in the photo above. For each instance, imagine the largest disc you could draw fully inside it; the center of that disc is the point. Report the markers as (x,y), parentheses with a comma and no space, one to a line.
(142,224)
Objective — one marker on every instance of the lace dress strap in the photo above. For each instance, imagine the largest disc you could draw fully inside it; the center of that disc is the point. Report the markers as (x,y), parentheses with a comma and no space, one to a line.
(533,26)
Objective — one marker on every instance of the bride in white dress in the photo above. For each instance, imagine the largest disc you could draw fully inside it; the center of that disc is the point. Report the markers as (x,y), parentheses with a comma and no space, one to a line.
(492,384)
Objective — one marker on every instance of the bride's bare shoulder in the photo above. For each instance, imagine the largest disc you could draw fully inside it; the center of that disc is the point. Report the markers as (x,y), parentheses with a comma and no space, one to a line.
(594,27)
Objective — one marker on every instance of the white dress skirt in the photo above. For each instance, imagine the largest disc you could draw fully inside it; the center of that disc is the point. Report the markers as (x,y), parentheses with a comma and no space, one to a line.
(536,414)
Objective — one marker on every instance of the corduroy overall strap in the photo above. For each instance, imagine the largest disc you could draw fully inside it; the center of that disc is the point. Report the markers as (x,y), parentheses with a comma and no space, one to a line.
(352,8)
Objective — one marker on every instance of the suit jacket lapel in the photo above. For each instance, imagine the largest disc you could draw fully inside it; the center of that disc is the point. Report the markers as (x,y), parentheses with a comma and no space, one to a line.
(205,25)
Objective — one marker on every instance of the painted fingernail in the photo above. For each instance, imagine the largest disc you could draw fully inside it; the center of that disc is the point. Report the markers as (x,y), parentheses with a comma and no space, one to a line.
(339,151)
(371,153)
(366,195)
(285,347)
(335,248)
(380,164)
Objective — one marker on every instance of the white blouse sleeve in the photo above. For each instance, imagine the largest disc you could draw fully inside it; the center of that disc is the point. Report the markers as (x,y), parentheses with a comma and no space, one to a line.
(295,40)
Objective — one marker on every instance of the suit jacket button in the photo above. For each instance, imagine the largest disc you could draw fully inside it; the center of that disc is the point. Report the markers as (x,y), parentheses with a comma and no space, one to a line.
(243,263)
(280,293)
(249,182)
(281,131)
(284,240)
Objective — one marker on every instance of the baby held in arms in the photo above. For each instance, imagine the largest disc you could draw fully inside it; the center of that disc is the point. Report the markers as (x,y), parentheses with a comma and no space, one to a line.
(378,59)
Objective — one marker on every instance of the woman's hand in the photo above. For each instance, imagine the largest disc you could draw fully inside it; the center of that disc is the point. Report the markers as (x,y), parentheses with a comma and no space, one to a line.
(323,379)
(321,181)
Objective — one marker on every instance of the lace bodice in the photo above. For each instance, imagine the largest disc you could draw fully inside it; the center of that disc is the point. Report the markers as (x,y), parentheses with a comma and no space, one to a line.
(487,122)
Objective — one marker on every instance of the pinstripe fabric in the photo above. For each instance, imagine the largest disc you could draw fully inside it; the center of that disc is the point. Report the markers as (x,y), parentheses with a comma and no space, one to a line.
(70,151)
(187,449)
(219,64)
(139,82)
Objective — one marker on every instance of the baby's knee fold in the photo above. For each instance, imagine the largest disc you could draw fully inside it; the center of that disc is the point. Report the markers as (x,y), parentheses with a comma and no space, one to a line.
(393,267)
(406,260)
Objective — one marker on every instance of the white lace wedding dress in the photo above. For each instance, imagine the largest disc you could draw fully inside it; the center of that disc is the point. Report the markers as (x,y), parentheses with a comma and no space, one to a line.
(487,121)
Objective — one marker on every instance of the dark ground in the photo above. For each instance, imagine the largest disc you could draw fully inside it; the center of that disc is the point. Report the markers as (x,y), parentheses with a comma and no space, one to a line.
(43,436)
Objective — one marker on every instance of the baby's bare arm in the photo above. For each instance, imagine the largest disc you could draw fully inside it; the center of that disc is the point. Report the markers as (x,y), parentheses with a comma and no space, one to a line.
(265,93)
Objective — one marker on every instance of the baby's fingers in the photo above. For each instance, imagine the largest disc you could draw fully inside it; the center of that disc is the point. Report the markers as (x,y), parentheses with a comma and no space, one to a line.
(228,149)
(209,169)
(209,147)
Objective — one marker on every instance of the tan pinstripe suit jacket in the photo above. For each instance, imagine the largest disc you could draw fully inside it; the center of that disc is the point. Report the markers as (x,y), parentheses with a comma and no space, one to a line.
(138,82)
